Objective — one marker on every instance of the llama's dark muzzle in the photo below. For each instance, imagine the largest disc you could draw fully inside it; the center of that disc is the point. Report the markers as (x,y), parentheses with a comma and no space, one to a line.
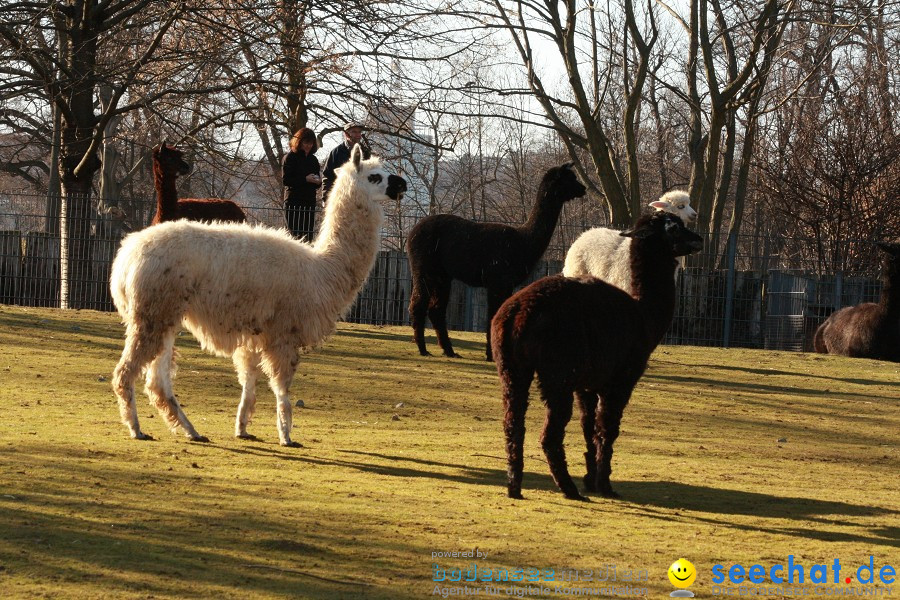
(685,247)
(396,187)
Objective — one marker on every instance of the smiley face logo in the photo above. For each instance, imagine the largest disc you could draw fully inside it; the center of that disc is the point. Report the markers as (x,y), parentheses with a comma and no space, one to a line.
(682,573)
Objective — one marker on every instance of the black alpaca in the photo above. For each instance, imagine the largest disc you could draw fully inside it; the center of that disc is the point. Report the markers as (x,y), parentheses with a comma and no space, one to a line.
(498,257)
(868,330)
(585,337)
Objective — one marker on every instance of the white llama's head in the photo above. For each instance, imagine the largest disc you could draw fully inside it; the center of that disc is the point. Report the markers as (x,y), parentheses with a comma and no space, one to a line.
(371,178)
(676,202)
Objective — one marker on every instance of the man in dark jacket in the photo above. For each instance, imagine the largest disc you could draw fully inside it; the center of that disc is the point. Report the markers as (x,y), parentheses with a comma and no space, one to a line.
(352,135)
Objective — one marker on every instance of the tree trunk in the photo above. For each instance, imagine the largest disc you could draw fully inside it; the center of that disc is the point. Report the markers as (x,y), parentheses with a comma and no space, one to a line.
(54,190)
(75,244)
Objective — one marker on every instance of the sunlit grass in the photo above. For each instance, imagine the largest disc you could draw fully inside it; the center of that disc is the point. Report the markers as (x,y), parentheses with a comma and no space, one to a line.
(726,456)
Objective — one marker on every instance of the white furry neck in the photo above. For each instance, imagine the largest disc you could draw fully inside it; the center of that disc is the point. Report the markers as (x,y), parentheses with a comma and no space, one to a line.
(349,237)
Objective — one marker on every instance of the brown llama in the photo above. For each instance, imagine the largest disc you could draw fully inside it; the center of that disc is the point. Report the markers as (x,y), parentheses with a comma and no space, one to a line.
(498,257)
(868,330)
(585,337)
(168,164)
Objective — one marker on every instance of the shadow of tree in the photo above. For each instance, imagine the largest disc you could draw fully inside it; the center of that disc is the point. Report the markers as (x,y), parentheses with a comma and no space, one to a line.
(108,540)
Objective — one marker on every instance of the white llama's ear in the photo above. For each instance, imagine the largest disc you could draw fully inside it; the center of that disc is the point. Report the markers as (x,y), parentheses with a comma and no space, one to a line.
(659,204)
(356,156)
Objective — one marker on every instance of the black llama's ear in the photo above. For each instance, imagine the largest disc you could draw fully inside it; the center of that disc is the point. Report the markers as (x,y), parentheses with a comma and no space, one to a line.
(889,247)
(356,155)
(645,228)
(636,232)
(672,221)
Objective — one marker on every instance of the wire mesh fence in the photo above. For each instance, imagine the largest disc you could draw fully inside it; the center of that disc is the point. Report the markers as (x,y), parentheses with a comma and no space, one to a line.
(757,292)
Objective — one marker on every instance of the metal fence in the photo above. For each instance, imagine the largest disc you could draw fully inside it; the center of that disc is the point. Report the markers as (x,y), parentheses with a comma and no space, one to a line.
(762,295)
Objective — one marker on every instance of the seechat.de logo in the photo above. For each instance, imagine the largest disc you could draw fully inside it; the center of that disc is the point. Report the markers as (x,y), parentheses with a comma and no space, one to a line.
(794,572)
(682,574)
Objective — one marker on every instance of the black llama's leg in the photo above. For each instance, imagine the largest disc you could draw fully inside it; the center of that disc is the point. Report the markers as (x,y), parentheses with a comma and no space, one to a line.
(609,416)
(587,400)
(437,312)
(515,404)
(559,412)
(418,307)
(495,298)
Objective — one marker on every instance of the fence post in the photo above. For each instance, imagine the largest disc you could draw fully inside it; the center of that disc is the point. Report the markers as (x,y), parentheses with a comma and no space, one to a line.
(838,289)
(729,289)
(468,319)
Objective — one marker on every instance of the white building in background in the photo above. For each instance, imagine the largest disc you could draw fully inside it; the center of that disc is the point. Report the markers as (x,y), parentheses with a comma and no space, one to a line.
(404,144)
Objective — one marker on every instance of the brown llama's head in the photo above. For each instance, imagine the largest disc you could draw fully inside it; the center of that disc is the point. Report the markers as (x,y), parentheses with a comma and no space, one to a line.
(169,160)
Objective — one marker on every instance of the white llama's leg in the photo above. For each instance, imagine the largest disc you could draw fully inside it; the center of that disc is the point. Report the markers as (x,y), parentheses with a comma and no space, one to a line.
(159,389)
(279,365)
(140,348)
(247,365)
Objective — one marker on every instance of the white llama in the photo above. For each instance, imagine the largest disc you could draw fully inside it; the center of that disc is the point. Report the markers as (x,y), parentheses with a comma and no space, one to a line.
(605,254)
(251,293)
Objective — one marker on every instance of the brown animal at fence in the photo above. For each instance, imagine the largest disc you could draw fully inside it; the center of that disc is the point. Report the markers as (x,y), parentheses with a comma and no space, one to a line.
(168,164)
(868,330)
(498,257)
(585,337)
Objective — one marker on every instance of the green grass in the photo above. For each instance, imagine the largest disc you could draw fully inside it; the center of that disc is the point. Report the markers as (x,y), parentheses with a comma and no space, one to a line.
(86,512)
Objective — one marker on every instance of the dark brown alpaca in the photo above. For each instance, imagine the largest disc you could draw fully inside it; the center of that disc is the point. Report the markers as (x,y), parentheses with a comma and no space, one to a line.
(168,164)
(868,330)
(498,257)
(585,337)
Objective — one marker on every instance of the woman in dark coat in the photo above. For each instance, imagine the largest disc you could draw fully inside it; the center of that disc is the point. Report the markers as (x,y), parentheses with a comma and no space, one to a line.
(301,178)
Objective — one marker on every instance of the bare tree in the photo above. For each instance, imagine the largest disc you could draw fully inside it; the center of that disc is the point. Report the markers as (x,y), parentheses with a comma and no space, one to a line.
(58,55)
(830,162)
(605,57)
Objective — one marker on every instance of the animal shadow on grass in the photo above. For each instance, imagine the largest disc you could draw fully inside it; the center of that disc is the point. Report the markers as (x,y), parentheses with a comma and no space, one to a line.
(767,388)
(66,324)
(793,374)
(669,495)
(470,474)
(473,349)
(372,333)
(402,467)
